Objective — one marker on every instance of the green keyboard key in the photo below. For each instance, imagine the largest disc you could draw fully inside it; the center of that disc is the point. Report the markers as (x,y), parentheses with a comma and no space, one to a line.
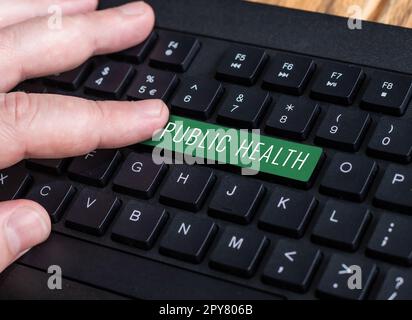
(248,150)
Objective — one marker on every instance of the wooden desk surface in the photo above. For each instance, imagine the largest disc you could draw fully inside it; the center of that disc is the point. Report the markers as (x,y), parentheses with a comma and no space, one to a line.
(397,12)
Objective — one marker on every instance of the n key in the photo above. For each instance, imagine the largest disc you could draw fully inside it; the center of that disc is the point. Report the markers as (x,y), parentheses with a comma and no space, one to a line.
(13,182)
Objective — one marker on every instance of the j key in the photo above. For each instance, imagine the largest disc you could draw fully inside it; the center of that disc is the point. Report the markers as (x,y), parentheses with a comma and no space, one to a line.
(238,252)
(109,80)
(174,52)
(139,225)
(53,166)
(13,182)
(388,93)
(397,286)
(138,53)
(292,117)
(71,80)
(188,237)
(236,199)
(152,84)
(335,282)
(196,97)
(94,168)
(392,239)
(388,140)
(341,225)
(292,266)
(241,65)
(349,176)
(395,189)
(139,175)
(54,196)
(92,212)
(187,187)
(288,212)
(289,74)
(243,108)
(343,129)
(337,83)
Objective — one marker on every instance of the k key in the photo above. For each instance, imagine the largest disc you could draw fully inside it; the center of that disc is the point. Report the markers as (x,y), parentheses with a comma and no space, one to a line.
(13,182)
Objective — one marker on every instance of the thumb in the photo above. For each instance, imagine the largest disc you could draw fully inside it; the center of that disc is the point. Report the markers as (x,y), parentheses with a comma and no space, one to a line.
(23,224)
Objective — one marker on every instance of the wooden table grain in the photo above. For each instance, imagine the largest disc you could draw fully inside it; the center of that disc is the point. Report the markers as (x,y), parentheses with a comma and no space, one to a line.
(396,12)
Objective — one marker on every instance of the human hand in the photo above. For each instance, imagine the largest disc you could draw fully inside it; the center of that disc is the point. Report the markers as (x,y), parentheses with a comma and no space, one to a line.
(53,126)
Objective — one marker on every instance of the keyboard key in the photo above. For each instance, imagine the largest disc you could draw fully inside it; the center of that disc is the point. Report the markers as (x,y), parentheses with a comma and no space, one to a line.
(196,97)
(388,140)
(243,108)
(292,266)
(139,224)
(238,252)
(52,166)
(187,187)
(292,117)
(337,83)
(174,52)
(188,237)
(241,65)
(288,212)
(288,73)
(392,239)
(14,181)
(30,87)
(395,189)
(92,212)
(388,93)
(349,176)
(94,168)
(236,199)
(54,196)
(347,278)
(343,129)
(341,225)
(139,176)
(138,53)
(152,84)
(109,80)
(71,80)
(397,286)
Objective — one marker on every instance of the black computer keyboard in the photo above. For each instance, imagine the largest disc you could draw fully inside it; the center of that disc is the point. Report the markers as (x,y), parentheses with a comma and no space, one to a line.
(198,231)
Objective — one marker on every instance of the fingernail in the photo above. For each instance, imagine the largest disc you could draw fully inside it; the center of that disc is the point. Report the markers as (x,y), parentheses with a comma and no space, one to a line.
(152,109)
(134,8)
(24,229)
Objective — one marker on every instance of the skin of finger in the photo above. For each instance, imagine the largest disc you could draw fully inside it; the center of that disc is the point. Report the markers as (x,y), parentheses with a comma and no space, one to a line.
(31,238)
(31,49)
(54,126)
(22,10)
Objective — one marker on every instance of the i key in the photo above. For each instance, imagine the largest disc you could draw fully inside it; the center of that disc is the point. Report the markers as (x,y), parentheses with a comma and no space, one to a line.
(397,286)
(349,176)
(196,97)
(388,140)
(392,239)
(343,129)
(337,83)
(292,266)
(288,73)
(188,238)
(292,117)
(92,212)
(187,187)
(243,108)
(13,182)
(139,225)
(236,199)
(241,65)
(139,175)
(54,196)
(388,93)
(109,80)
(341,225)
(94,168)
